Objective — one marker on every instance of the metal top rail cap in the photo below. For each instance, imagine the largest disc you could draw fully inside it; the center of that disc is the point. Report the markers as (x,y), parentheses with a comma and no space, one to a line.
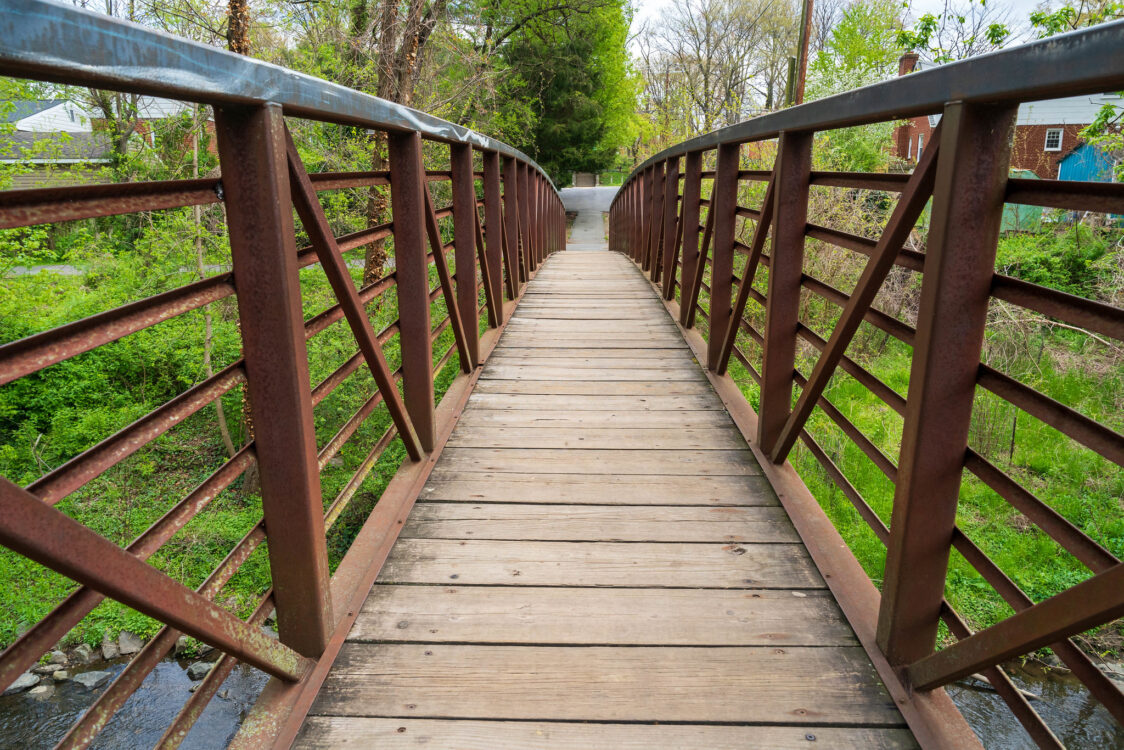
(50,41)
(1088,61)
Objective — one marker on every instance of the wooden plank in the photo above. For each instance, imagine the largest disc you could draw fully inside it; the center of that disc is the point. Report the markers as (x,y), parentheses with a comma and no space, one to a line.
(803,686)
(659,355)
(674,362)
(540,372)
(635,404)
(597,388)
(590,616)
(560,313)
(625,564)
(599,523)
(585,461)
(577,341)
(651,438)
(600,490)
(323,732)
(478,417)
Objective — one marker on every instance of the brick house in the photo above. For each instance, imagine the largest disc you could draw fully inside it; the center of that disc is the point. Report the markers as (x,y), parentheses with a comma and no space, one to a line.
(1045,131)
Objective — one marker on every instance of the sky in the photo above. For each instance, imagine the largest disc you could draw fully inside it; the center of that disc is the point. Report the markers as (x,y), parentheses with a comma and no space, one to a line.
(1020,9)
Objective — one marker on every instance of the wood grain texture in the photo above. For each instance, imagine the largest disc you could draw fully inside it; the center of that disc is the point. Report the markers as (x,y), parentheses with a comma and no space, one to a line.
(510,563)
(602,438)
(596,461)
(792,685)
(598,388)
(362,733)
(601,489)
(666,617)
(621,419)
(560,373)
(599,523)
(552,402)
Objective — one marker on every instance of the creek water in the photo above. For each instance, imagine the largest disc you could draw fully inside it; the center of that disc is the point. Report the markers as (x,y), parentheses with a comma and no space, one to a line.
(1079,721)
(29,723)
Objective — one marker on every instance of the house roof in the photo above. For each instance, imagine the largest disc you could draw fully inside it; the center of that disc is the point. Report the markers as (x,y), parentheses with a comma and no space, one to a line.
(53,148)
(15,110)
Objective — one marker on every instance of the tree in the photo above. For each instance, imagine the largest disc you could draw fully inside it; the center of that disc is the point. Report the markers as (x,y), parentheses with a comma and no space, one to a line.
(862,49)
(576,77)
(961,30)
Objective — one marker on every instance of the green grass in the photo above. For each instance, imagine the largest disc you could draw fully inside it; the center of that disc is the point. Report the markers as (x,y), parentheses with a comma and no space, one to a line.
(1082,486)
(51,416)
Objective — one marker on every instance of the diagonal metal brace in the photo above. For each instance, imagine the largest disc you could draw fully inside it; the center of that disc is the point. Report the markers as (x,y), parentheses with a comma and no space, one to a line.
(434,232)
(764,221)
(905,215)
(324,242)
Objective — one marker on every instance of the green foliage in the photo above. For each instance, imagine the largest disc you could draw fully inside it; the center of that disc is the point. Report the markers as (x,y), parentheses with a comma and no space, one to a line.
(1071,260)
(862,50)
(576,79)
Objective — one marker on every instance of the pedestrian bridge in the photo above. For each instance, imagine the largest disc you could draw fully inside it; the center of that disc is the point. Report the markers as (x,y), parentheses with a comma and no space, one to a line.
(594,540)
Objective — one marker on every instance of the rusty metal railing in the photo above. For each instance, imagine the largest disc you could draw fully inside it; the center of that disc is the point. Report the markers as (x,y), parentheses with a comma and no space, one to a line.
(262,178)
(656,220)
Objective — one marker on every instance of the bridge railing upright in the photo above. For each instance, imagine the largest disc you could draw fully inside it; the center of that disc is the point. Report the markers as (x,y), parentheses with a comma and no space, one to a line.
(503,219)
(742,282)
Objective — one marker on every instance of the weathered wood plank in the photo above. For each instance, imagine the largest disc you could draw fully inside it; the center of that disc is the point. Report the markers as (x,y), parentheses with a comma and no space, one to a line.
(654,438)
(585,616)
(660,376)
(721,566)
(801,686)
(582,461)
(599,489)
(599,523)
(597,388)
(322,732)
(674,362)
(626,353)
(707,439)
(477,417)
(594,402)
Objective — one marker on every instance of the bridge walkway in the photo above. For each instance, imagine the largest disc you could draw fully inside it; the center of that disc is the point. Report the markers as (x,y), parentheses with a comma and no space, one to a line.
(597,561)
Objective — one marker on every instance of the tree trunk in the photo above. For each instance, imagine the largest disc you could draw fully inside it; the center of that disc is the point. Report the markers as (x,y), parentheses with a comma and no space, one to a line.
(238,27)
(238,40)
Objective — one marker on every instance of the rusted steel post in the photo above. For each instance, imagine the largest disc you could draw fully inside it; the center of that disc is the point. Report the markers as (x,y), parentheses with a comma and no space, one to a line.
(540,217)
(967,210)
(645,217)
(640,214)
(408,206)
(511,200)
(782,308)
(251,145)
(526,201)
(493,229)
(464,239)
(655,221)
(665,269)
(724,204)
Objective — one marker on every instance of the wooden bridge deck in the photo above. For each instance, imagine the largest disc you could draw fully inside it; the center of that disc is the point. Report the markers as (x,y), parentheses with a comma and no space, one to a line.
(597,561)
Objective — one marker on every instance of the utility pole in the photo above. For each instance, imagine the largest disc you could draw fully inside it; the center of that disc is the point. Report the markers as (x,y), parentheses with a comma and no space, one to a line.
(802,51)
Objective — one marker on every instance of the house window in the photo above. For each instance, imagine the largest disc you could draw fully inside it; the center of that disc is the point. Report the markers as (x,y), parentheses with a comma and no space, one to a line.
(1054,139)
(910,154)
(920,143)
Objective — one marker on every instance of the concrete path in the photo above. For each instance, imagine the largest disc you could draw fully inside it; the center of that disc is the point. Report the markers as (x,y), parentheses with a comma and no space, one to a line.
(589,228)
